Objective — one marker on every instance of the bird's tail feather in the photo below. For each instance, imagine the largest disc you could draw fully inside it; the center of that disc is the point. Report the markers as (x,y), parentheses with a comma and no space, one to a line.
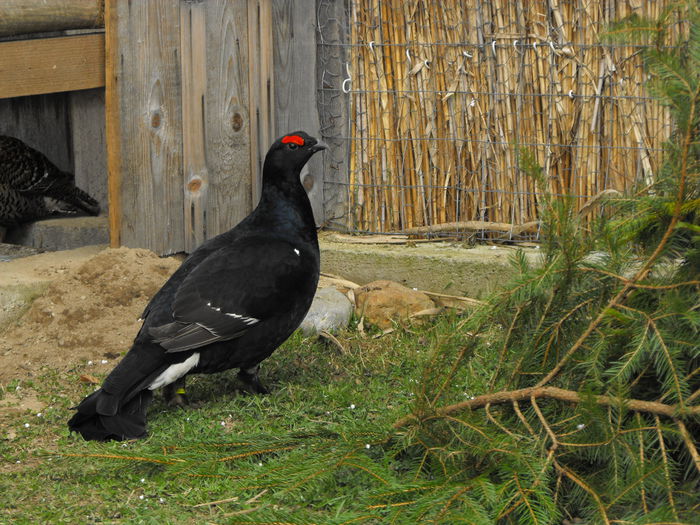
(99,418)
(64,189)
(82,200)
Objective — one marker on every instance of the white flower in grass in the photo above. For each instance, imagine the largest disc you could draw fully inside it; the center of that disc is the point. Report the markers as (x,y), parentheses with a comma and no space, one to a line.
(368,445)
(104,361)
(352,406)
(26,425)
(143,480)
(580,426)
(142,496)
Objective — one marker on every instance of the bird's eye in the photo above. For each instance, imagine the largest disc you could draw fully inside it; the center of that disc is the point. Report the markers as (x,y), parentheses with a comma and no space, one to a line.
(291,145)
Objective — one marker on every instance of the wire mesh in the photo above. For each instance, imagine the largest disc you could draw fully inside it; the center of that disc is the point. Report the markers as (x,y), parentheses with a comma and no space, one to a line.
(429,102)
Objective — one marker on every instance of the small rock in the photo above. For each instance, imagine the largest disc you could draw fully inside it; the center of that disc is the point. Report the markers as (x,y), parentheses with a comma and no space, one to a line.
(383,302)
(329,311)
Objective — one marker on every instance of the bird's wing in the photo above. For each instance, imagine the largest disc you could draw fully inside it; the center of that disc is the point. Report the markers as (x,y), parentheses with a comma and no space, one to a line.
(232,290)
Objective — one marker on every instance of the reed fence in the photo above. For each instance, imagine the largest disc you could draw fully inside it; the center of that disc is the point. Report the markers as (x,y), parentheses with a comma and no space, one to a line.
(442,94)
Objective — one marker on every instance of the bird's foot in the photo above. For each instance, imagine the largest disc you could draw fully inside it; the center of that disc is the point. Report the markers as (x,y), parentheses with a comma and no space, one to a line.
(249,377)
(175,395)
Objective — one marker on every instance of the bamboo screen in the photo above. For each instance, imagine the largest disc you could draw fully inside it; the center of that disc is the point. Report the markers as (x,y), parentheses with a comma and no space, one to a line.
(442,94)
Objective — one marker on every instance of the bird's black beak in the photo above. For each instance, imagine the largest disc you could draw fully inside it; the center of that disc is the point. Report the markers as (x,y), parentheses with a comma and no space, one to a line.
(319,146)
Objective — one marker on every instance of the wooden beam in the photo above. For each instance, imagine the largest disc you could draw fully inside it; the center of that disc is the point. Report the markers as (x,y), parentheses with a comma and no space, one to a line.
(19,17)
(51,65)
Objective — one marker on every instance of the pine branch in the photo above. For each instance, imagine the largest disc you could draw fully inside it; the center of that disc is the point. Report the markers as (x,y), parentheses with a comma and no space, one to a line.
(550,392)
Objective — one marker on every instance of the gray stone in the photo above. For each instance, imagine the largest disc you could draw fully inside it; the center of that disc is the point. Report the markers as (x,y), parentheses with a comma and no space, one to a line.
(329,311)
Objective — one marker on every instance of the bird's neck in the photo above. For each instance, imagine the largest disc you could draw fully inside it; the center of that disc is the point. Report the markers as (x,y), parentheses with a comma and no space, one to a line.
(286,203)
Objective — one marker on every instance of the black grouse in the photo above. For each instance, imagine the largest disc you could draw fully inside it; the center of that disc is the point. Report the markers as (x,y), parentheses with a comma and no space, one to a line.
(231,303)
(28,178)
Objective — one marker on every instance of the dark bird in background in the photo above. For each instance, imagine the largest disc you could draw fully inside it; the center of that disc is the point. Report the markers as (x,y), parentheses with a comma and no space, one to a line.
(233,301)
(28,179)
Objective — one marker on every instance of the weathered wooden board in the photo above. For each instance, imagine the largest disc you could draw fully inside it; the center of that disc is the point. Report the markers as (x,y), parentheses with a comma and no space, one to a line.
(178,121)
(333,109)
(193,59)
(226,116)
(87,128)
(144,101)
(35,16)
(51,65)
(261,87)
(294,45)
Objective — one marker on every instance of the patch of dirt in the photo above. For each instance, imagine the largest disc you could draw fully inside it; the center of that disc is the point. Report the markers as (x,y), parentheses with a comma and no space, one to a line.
(88,313)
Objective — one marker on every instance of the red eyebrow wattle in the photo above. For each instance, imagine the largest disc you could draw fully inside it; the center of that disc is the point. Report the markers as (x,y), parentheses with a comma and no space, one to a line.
(296,139)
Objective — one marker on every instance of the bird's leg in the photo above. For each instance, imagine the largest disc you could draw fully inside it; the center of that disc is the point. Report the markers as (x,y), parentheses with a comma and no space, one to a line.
(249,376)
(174,393)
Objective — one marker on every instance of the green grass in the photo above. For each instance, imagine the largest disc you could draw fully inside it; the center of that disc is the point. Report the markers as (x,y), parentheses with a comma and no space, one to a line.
(336,399)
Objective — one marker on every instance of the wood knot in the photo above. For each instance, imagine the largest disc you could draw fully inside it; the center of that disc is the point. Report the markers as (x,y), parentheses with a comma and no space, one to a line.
(308,182)
(155,119)
(237,121)
(194,185)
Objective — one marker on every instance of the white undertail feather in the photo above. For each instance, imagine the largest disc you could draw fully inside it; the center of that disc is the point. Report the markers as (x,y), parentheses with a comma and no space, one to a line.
(175,372)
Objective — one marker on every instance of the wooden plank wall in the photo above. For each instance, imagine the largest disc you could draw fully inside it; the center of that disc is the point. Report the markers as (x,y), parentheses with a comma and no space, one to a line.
(178,126)
(199,91)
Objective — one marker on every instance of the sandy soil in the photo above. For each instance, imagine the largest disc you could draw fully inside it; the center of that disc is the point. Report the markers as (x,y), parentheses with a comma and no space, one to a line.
(89,311)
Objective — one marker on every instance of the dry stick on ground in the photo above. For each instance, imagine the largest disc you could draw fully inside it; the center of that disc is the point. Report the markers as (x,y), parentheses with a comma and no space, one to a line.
(551,392)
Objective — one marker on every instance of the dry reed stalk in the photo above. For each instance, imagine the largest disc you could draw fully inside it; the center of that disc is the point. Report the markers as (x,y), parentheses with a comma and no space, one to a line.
(422,141)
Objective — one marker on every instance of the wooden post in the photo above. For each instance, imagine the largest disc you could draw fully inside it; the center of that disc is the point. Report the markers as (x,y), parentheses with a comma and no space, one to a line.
(112,124)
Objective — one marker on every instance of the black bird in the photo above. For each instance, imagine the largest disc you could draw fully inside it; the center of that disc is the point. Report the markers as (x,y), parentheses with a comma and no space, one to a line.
(233,301)
(28,178)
